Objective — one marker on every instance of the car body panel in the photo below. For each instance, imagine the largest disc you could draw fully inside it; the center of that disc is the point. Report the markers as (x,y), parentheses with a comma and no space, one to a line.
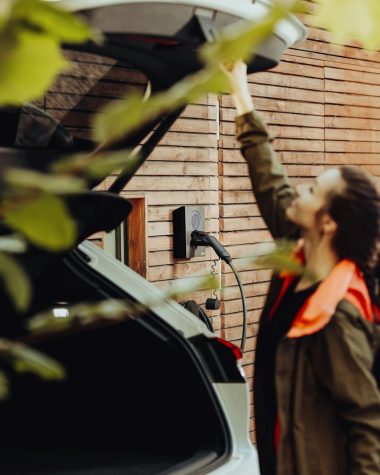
(143,291)
(233,397)
(291,29)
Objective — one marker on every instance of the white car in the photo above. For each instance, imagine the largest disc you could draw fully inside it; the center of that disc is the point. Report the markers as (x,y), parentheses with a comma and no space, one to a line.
(159,394)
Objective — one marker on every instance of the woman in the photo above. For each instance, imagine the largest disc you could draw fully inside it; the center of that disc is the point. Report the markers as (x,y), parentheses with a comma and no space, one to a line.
(317,404)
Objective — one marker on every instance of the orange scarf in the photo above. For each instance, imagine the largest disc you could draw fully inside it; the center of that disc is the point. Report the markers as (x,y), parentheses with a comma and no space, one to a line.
(345,281)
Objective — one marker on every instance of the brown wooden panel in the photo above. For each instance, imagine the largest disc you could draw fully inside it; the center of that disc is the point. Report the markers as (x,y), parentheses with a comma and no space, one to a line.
(273,105)
(189,139)
(351,75)
(165,228)
(164,213)
(235,332)
(232,197)
(353,123)
(179,270)
(352,158)
(180,198)
(160,258)
(173,168)
(238,210)
(352,135)
(355,99)
(239,224)
(245,237)
(250,290)
(292,157)
(277,118)
(184,154)
(233,306)
(235,319)
(352,88)
(241,170)
(142,183)
(277,79)
(352,147)
(137,237)
(338,111)
(298,67)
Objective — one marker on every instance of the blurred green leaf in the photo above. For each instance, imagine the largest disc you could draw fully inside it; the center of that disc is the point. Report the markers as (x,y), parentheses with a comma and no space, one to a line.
(44,221)
(25,359)
(185,286)
(124,116)
(30,56)
(29,63)
(239,42)
(12,244)
(89,313)
(49,183)
(82,314)
(4,386)
(61,24)
(5,12)
(350,19)
(97,166)
(16,281)
(282,259)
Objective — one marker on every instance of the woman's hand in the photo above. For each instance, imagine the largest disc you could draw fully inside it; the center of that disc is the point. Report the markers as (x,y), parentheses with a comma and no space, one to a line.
(237,75)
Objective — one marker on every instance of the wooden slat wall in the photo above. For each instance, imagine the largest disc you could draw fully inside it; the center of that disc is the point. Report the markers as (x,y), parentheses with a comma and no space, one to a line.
(322,104)
(183,170)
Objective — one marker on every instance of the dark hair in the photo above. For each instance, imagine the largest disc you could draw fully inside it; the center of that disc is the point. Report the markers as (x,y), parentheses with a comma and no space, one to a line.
(357,213)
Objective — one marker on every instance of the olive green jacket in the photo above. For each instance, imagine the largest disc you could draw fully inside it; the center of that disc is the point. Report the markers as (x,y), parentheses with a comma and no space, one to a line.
(326,397)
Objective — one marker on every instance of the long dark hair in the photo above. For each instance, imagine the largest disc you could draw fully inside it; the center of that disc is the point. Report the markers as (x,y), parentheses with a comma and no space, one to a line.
(356,211)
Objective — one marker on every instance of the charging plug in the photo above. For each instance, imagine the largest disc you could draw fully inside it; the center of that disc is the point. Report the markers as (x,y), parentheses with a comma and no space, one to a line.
(200,238)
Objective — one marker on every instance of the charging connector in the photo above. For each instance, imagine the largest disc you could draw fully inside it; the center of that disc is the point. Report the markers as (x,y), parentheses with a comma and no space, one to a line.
(200,238)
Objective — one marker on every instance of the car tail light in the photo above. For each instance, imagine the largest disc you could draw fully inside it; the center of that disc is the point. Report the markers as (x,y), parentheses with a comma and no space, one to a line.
(222,358)
(235,349)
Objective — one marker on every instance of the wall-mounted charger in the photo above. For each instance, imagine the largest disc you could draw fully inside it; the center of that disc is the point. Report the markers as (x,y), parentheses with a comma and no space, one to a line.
(187,219)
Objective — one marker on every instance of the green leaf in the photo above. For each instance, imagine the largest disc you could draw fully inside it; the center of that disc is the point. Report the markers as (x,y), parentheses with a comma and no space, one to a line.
(124,116)
(84,314)
(193,284)
(29,63)
(16,281)
(61,24)
(239,41)
(28,360)
(12,244)
(45,221)
(97,166)
(88,313)
(350,19)
(5,12)
(4,386)
(31,180)
(282,258)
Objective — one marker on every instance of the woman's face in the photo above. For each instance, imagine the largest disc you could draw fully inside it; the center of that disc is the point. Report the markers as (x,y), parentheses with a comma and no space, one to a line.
(311,198)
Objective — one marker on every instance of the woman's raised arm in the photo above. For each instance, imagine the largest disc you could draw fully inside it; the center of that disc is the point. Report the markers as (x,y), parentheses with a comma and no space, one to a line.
(269,179)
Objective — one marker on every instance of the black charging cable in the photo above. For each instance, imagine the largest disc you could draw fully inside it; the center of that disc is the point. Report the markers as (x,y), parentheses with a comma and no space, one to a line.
(200,238)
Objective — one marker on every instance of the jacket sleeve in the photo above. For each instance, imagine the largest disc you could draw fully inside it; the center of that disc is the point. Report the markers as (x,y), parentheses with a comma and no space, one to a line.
(269,180)
(346,358)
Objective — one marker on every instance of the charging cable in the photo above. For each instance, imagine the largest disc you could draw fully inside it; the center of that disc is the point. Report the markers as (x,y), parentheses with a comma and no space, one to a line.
(200,238)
